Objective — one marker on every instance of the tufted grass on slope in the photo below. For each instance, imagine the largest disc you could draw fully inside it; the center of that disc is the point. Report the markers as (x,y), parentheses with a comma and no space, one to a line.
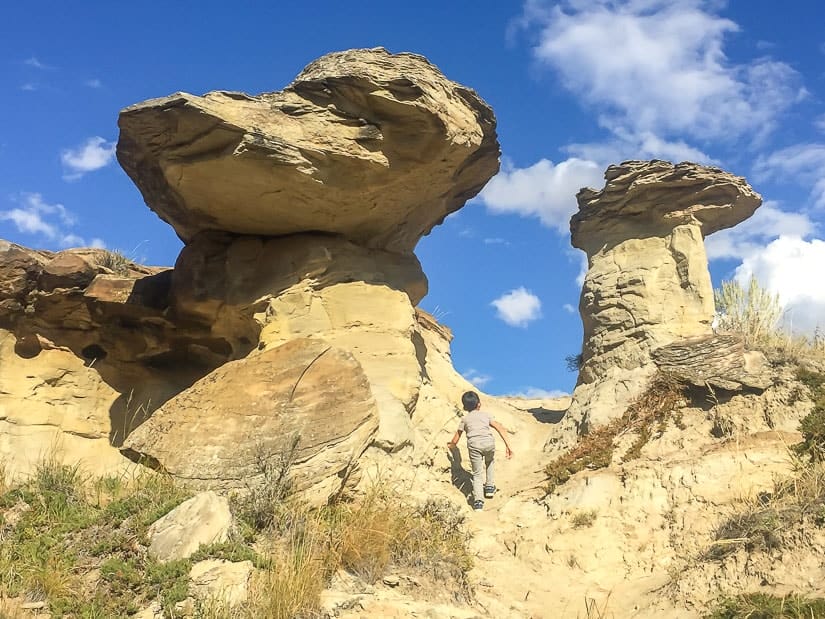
(79,544)
(779,519)
(61,525)
(764,606)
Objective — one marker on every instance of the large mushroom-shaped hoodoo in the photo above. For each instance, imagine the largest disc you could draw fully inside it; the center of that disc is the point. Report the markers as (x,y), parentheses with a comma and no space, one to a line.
(299,211)
(647,283)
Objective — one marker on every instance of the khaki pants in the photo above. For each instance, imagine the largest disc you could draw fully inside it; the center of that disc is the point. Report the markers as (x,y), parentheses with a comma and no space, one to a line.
(482,459)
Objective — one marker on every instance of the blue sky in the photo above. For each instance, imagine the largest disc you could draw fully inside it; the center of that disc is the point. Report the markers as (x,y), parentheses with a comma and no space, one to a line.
(576,85)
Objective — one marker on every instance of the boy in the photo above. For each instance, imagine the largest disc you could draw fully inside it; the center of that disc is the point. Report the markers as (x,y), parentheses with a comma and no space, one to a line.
(482,446)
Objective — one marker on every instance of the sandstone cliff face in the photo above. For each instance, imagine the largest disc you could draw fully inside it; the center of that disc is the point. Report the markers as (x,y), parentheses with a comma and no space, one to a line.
(647,283)
(86,354)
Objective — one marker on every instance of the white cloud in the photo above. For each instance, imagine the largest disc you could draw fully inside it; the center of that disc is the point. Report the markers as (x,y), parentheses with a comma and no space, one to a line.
(29,222)
(94,83)
(792,268)
(579,256)
(518,307)
(28,87)
(569,308)
(94,154)
(802,162)
(34,62)
(37,217)
(750,237)
(543,190)
(496,241)
(476,378)
(626,145)
(536,393)
(658,66)
(819,123)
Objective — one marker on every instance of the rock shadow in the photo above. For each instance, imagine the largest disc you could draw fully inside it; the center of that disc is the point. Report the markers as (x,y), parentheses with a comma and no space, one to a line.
(545,415)
(460,477)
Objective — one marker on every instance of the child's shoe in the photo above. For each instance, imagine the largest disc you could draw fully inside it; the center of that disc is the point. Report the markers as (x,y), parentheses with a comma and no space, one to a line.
(489,491)
(478,506)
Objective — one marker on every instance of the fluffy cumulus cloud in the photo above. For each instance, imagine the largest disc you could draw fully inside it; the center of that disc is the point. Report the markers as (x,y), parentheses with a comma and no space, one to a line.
(792,268)
(518,308)
(49,222)
(750,237)
(92,155)
(544,190)
(477,378)
(658,67)
(803,163)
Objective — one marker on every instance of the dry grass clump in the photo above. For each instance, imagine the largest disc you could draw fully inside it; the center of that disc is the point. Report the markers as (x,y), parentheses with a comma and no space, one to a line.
(764,606)
(648,413)
(780,519)
(366,538)
(584,519)
(80,544)
(114,260)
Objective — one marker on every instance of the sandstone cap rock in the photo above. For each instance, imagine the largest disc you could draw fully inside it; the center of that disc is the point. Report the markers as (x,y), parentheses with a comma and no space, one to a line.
(641,197)
(374,146)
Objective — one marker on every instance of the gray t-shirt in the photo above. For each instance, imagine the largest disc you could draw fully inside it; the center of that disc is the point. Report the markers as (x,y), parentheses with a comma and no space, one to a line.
(476,424)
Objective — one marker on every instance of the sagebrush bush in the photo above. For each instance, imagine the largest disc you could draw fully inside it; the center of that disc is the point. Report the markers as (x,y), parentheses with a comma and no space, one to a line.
(753,311)
(755,314)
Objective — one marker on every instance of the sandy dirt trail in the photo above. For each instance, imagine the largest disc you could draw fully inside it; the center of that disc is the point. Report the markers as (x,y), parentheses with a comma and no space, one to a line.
(507,538)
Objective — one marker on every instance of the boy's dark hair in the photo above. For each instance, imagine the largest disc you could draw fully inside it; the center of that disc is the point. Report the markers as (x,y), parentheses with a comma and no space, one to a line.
(470,400)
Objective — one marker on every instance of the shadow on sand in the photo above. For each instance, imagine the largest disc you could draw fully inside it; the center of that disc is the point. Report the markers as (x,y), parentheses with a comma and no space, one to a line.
(460,477)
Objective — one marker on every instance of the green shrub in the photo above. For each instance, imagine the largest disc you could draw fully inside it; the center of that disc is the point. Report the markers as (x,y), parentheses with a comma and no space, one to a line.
(812,425)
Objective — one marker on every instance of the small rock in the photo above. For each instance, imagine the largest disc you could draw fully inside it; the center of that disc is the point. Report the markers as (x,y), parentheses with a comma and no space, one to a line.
(391,581)
(202,520)
(218,579)
(33,605)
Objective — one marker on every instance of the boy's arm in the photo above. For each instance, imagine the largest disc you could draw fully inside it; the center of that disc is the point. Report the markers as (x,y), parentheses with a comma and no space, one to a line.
(502,432)
(454,441)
